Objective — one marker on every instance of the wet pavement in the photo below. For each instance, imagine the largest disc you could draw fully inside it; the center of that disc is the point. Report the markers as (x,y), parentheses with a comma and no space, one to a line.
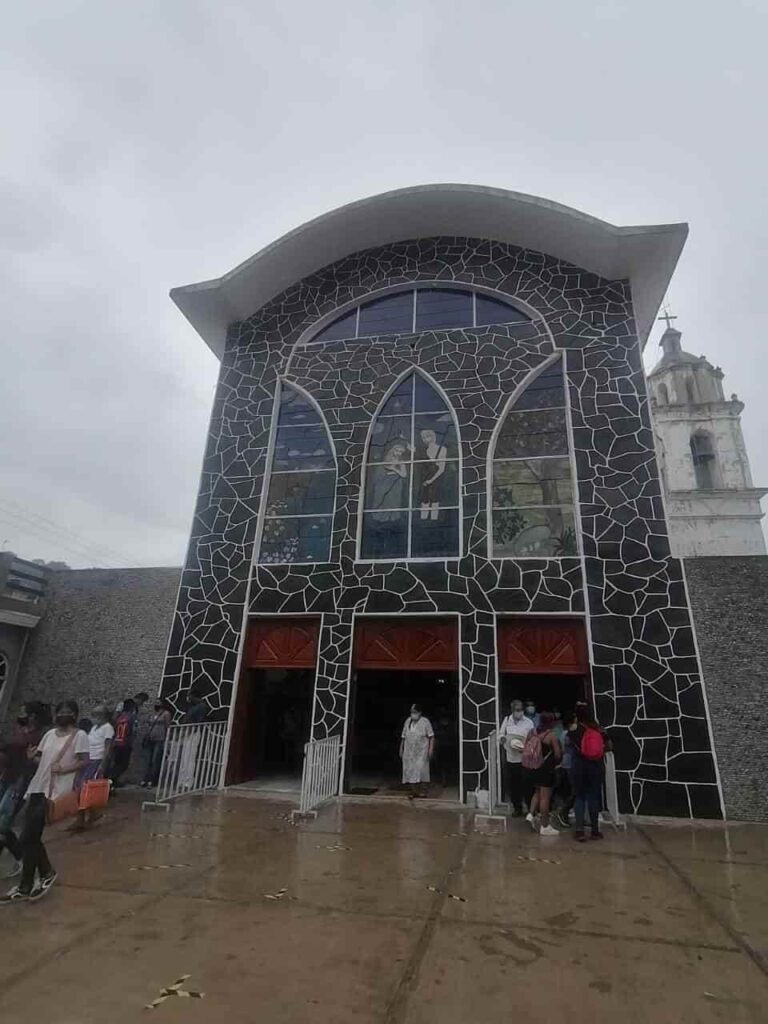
(387,912)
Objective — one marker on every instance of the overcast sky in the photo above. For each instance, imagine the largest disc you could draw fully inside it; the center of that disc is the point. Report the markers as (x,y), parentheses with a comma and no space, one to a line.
(147,145)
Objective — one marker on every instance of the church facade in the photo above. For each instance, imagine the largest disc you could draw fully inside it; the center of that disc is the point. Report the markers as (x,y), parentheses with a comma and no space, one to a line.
(431,456)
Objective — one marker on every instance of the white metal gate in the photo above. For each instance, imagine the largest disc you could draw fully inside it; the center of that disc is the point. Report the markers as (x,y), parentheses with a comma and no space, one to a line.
(193,757)
(320,779)
(611,792)
(494,782)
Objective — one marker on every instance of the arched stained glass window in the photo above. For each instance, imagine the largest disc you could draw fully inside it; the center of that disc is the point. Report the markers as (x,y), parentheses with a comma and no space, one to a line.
(411,497)
(531,489)
(421,309)
(302,483)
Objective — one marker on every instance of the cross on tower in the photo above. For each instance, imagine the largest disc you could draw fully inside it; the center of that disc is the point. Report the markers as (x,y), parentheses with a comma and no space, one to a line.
(666,315)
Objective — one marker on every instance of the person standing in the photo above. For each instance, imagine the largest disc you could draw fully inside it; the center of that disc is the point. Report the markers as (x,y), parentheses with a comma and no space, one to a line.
(532,713)
(100,738)
(122,744)
(33,721)
(154,741)
(417,743)
(589,745)
(513,733)
(564,789)
(541,755)
(62,751)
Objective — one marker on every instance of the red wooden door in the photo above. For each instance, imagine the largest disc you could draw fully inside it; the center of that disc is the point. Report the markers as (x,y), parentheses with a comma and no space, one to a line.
(281,643)
(543,646)
(429,644)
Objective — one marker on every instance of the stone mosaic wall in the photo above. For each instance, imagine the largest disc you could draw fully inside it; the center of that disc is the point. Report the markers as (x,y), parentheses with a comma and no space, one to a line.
(645,672)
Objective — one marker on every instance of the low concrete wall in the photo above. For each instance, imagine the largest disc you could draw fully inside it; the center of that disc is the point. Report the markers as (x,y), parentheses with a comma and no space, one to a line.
(103,636)
(729,601)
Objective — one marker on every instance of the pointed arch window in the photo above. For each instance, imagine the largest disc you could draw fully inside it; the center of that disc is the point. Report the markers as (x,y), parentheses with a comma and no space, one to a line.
(531,488)
(298,513)
(411,496)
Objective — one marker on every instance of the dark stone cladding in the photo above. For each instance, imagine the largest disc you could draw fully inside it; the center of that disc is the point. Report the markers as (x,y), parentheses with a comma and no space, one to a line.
(643,655)
(729,600)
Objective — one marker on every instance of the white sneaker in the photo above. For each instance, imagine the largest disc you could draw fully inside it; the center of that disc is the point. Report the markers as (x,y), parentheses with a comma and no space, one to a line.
(547,830)
(531,821)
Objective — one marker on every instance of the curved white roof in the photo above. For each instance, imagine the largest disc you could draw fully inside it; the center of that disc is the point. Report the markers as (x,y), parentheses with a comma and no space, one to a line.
(647,255)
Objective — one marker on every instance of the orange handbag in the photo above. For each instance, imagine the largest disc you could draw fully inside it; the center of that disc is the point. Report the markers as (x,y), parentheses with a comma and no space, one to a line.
(64,806)
(94,795)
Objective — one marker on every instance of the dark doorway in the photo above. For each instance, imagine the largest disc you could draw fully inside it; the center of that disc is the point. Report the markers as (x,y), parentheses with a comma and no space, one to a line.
(273,719)
(548,693)
(381,701)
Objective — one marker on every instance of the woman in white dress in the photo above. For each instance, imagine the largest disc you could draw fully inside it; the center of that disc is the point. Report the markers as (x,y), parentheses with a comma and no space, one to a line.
(416,746)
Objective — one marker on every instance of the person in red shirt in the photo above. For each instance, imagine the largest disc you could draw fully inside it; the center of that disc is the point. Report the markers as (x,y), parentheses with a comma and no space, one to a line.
(122,744)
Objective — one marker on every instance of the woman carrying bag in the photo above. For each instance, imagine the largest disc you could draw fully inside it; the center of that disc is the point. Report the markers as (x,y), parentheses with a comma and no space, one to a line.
(50,796)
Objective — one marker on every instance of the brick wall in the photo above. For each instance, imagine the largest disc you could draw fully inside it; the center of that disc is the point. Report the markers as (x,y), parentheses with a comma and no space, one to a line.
(103,636)
(729,600)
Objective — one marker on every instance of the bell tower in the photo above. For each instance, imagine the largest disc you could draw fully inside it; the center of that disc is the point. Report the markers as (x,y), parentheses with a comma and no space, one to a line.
(712,505)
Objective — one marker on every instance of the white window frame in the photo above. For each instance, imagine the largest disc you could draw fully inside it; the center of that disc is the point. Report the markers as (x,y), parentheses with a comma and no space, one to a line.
(309,335)
(412,370)
(509,407)
(283,383)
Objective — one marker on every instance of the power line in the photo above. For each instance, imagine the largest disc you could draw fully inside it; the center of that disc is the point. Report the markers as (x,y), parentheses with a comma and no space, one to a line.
(66,540)
(63,531)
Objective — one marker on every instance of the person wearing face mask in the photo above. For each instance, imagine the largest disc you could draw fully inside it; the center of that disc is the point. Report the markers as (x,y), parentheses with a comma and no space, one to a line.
(416,746)
(532,713)
(100,736)
(33,720)
(512,735)
(154,741)
(61,753)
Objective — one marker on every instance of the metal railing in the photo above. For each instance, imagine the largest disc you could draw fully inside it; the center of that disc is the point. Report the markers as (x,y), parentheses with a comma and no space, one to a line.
(193,756)
(320,777)
(494,781)
(611,792)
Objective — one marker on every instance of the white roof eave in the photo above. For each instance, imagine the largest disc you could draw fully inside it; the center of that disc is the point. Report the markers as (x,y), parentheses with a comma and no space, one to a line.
(646,255)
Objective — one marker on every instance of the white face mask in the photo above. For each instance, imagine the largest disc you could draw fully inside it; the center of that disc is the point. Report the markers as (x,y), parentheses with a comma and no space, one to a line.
(530,710)
(415,715)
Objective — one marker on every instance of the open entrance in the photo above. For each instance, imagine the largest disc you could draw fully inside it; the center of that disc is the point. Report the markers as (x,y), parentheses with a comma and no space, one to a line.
(399,663)
(273,710)
(544,662)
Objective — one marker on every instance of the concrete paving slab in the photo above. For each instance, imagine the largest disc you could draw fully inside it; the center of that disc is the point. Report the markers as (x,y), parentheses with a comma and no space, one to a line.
(658,924)
(276,963)
(485,974)
(565,884)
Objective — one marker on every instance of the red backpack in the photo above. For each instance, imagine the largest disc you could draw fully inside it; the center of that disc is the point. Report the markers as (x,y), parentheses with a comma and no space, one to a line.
(533,753)
(592,745)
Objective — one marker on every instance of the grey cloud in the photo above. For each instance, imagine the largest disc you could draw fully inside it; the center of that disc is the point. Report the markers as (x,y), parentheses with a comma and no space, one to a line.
(149,145)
